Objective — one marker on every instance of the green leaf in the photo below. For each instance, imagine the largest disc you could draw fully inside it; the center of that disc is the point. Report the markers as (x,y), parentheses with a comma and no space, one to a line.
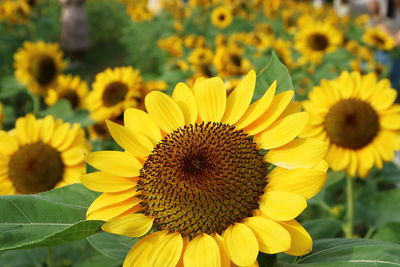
(9,87)
(44,219)
(274,70)
(113,246)
(352,252)
(389,232)
(322,228)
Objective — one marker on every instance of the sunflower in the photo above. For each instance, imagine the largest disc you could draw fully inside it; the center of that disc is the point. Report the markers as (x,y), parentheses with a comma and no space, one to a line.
(229,60)
(37,65)
(356,116)
(221,17)
(41,154)
(139,13)
(113,91)
(379,39)
(193,169)
(316,39)
(69,87)
(173,45)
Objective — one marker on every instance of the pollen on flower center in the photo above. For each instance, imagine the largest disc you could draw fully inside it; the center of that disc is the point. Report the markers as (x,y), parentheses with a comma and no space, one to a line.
(114,93)
(202,178)
(44,70)
(35,168)
(352,123)
(318,42)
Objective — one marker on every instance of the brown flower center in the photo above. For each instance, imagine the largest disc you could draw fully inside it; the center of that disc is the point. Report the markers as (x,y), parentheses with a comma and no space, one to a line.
(44,70)
(236,60)
(378,40)
(202,178)
(352,123)
(71,96)
(221,17)
(114,93)
(35,168)
(318,42)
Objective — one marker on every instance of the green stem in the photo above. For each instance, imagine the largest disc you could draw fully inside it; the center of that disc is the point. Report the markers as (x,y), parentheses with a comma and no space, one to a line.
(35,103)
(50,260)
(348,229)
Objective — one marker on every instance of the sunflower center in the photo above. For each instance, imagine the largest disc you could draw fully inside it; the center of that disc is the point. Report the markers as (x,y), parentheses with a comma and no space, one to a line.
(236,60)
(352,123)
(35,168)
(71,96)
(45,70)
(318,42)
(378,40)
(202,178)
(221,17)
(114,93)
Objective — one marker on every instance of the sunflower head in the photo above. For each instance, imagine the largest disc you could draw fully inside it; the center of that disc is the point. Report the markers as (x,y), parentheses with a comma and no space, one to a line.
(37,65)
(113,91)
(70,88)
(41,154)
(377,38)
(355,114)
(221,17)
(218,177)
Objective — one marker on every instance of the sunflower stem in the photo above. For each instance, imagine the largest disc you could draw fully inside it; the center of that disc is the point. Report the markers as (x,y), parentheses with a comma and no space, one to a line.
(50,259)
(35,104)
(348,229)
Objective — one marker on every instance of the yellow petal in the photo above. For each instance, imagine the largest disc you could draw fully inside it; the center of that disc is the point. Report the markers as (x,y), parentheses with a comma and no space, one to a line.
(71,137)
(305,182)
(60,133)
(240,244)
(202,251)
(277,106)
(225,261)
(185,99)
(282,131)
(240,98)
(73,156)
(352,168)
(139,121)
(139,254)
(8,144)
(113,210)
(211,99)
(281,205)
(338,157)
(46,131)
(135,143)
(272,237)
(103,182)
(385,98)
(164,111)
(167,251)
(301,242)
(390,121)
(258,108)
(384,145)
(106,200)
(115,162)
(366,162)
(293,107)
(133,225)
(299,153)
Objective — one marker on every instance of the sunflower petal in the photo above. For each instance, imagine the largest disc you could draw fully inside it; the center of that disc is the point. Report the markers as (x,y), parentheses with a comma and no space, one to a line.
(240,244)
(167,251)
(139,254)
(211,99)
(203,250)
(133,225)
(301,242)
(115,162)
(281,205)
(240,98)
(185,99)
(225,261)
(103,182)
(139,121)
(272,237)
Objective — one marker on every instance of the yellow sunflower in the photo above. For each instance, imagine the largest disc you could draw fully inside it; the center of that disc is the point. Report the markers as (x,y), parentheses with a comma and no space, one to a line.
(379,39)
(173,45)
(68,87)
(229,60)
(114,90)
(221,17)
(37,65)
(193,168)
(41,154)
(316,39)
(356,116)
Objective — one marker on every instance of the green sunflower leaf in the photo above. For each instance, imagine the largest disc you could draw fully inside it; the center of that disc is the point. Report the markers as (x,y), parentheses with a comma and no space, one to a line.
(274,70)
(46,219)
(113,246)
(352,252)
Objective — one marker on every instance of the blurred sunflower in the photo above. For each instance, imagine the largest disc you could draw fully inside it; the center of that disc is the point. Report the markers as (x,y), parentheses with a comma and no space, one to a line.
(378,38)
(316,39)
(14,11)
(68,87)
(139,13)
(192,168)
(114,90)
(37,65)
(41,154)
(173,45)
(229,60)
(221,17)
(356,116)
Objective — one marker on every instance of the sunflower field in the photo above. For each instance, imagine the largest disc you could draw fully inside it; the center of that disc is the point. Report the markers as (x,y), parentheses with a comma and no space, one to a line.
(197,133)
